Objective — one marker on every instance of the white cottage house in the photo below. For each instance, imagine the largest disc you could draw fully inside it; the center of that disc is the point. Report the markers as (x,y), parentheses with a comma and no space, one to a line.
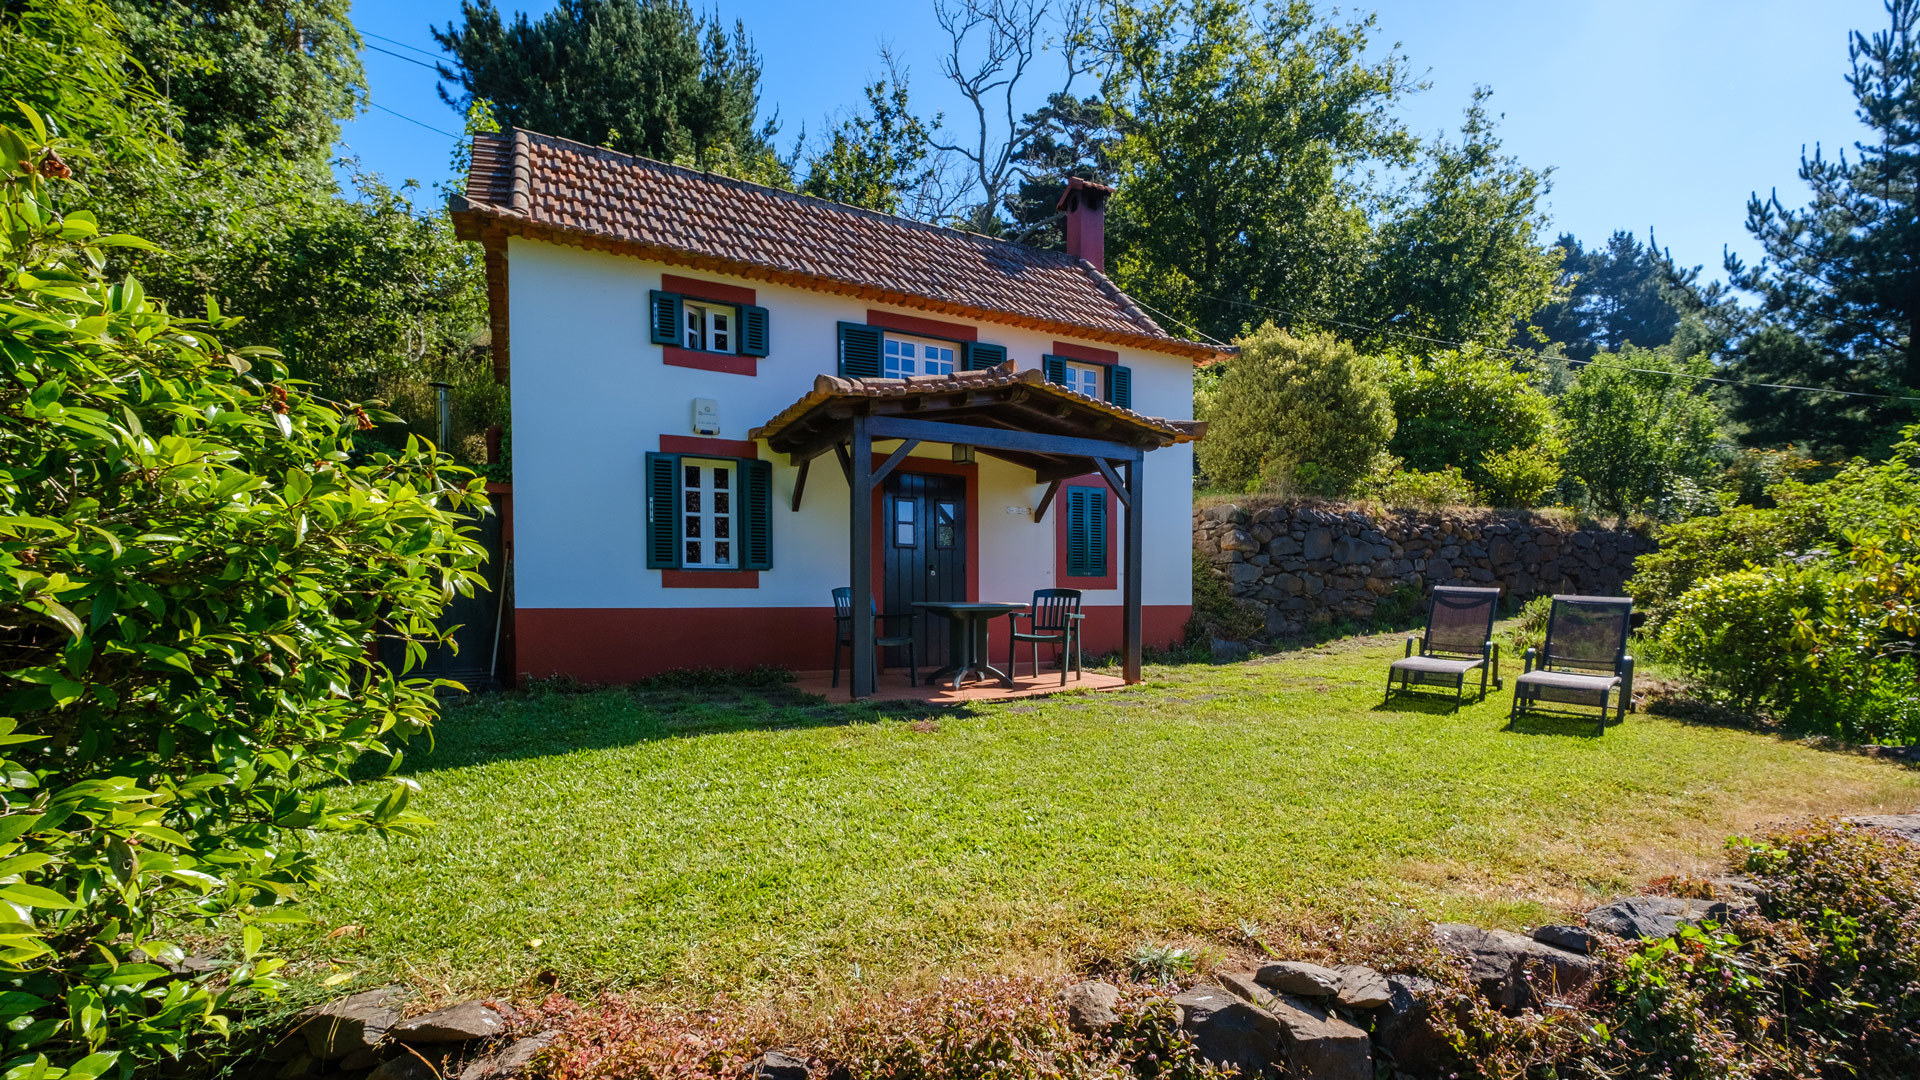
(728,400)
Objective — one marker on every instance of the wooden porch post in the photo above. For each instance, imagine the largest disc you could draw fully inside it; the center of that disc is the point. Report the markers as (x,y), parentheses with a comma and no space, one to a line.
(1136,520)
(860,557)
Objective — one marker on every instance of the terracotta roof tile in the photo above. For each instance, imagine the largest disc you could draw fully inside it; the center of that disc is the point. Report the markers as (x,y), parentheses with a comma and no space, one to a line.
(830,388)
(550,183)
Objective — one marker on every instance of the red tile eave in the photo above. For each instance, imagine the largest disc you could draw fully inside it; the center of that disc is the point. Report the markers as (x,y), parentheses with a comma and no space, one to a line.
(471,223)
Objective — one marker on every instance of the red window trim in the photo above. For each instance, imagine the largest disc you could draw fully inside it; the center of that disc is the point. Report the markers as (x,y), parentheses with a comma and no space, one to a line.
(1085,353)
(702,446)
(725,363)
(1059,511)
(913,324)
(709,579)
(696,289)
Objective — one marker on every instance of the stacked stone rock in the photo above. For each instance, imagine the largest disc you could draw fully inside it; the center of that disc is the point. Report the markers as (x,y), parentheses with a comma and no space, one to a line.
(1301,565)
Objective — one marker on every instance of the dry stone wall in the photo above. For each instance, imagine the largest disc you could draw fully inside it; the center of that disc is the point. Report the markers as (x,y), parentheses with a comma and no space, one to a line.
(1300,565)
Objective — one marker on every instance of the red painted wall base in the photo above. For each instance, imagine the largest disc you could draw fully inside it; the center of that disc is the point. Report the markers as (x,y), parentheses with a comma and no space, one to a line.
(618,645)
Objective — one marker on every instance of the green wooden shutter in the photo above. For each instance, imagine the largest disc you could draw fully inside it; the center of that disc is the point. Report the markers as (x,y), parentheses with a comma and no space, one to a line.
(756,514)
(753,331)
(859,351)
(1055,368)
(663,511)
(1086,532)
(663,317)
(981,356)
(1120,386)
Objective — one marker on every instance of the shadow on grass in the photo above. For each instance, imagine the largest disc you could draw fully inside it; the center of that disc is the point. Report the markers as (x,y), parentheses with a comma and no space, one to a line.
(547,720)
(1537,721)
(1428,702)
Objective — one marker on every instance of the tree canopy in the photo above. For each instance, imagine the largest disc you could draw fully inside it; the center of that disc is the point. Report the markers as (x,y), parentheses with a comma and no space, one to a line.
(1842,272)
(646,77)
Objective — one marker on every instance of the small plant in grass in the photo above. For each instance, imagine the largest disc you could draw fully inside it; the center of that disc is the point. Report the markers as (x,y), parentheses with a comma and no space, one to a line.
(1159,962)
(1530,629)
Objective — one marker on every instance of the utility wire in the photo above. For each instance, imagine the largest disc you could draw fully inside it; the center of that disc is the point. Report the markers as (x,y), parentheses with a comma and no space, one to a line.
(1192,329)
(402,44)
(1580,363)
(435,68)
(411,120)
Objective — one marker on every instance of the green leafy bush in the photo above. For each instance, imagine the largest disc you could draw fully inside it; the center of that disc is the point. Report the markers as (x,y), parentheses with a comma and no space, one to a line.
(1456,409)
(1630,434)
(1426,490)
(195,568)
(1530,629)
(1713,544)
(1524,476)
(1306,414)
(1736,634)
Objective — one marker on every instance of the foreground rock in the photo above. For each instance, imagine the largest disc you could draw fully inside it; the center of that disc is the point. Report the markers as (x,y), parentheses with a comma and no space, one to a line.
(468,1021)
(1362,987)
(1229,1031)
(1297,977)
(1574,939)
(1645,918)
(350,1027)
(1316,1044)
(1091,1006)
(1512,971)
(1408,1031)
(772,1065)
(1904,826)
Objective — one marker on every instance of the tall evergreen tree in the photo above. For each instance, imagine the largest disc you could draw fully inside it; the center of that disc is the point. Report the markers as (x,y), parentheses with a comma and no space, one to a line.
(874,159)
(645,77)
(1068,136)
(1624,293)
(1843,272)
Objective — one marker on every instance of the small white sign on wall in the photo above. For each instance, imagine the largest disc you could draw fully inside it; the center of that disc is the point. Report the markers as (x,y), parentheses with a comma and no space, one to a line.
(706,416)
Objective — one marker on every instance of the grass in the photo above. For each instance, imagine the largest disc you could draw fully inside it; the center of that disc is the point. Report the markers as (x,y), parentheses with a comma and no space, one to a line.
(690,842)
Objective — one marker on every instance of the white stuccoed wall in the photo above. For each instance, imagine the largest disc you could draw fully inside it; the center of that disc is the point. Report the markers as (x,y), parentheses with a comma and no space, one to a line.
(591,397)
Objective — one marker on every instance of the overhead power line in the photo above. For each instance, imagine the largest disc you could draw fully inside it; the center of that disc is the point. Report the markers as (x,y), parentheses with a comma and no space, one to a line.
(411,120)
(402,44)
(1536,356)
(402,56)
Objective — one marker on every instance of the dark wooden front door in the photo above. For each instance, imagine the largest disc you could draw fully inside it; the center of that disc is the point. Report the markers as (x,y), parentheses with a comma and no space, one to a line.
(923,525)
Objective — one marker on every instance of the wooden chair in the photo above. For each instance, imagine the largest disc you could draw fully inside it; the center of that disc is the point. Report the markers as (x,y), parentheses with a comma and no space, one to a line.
(1459,639)
(1584,659)
(843,638)
(1055,619)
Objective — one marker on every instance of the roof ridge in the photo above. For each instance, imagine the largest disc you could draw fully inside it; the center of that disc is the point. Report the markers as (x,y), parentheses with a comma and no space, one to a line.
(797,196)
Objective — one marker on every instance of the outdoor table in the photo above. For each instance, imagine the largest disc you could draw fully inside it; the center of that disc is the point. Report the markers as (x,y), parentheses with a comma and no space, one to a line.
(967,644)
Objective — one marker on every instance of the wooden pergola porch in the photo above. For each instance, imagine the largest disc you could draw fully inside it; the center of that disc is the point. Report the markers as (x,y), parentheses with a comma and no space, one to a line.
(1016,416)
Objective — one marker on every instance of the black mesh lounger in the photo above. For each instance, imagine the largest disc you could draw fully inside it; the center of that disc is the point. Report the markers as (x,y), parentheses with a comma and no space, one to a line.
(1584,660)
(1459,638)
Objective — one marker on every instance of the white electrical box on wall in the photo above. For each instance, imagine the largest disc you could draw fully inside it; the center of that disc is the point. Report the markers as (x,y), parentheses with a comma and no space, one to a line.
(706,416)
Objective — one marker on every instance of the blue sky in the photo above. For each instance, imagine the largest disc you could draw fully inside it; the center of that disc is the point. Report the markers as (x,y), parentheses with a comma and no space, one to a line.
(1652,113)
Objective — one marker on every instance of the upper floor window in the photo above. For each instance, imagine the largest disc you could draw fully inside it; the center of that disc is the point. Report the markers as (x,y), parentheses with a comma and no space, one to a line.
(709,327)
(1085,378)
(904,356)
(1101,382)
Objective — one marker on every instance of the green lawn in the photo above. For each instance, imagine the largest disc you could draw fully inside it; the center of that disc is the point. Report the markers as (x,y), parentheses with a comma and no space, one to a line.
(694,842)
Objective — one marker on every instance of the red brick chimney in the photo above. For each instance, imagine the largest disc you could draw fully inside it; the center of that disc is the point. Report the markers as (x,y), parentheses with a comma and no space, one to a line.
(1085,203)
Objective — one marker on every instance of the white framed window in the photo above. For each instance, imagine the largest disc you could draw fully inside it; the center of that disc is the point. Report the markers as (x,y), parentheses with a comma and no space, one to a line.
(904,356)
(709,513)
(1085,378)
(709,327)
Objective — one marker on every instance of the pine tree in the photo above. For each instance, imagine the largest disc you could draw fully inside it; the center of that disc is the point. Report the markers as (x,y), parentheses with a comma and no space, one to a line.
(1843,272)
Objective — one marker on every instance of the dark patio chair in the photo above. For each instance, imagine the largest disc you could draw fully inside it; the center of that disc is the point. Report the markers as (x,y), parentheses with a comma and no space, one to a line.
(1055,618)
(843,638)
(1459,639)
(1584,659)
